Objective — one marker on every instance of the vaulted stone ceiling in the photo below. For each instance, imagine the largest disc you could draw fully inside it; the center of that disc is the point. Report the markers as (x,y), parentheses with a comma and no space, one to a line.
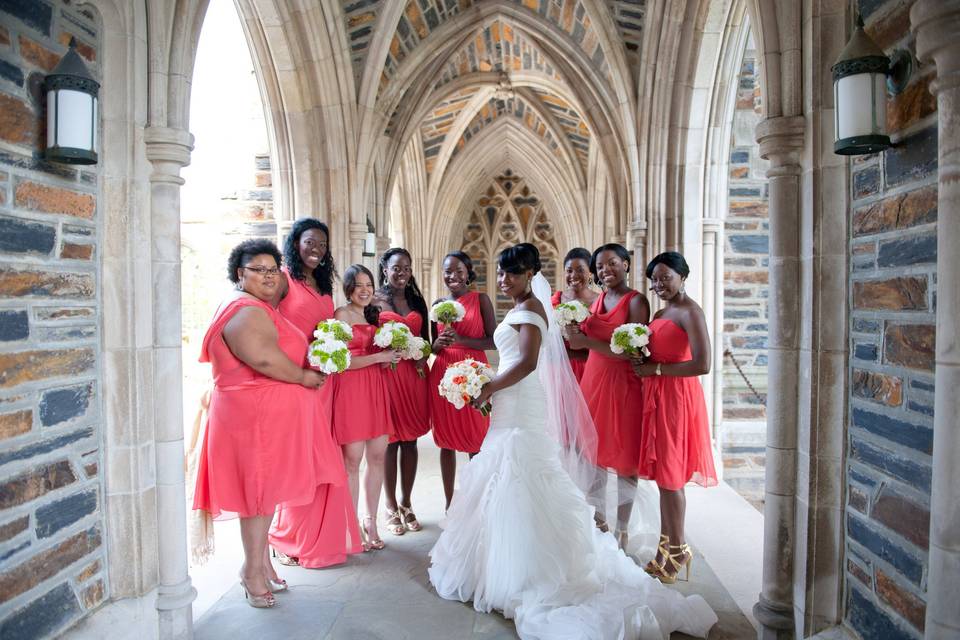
(450,89)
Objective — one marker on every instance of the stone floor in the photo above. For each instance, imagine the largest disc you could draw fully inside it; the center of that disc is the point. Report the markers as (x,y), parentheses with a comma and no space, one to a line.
(386,595)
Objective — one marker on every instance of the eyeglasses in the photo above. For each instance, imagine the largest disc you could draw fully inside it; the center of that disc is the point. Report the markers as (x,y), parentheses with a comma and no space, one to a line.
(264,271)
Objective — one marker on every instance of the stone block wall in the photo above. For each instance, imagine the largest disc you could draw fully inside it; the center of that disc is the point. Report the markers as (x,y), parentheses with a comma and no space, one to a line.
(52,565)
(746,290)
(893,248)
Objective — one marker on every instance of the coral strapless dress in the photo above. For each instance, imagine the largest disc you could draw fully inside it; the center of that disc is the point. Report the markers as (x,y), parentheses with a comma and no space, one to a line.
(361,403)
(459,429)
(675,447)
(612,390)
(409,393)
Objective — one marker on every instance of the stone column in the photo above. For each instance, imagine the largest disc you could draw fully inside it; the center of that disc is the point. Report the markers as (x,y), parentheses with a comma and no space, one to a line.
(638,245)
(169,151)
(781,141)
(712,279)
(427,286)
(358,235)
(936,24)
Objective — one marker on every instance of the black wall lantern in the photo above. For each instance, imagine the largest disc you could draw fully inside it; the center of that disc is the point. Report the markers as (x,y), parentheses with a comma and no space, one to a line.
(861,77)
(370,241)
(71,111)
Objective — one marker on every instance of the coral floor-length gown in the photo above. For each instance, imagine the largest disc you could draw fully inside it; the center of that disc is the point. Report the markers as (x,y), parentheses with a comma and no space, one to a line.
(577,365)
(409,393)
(361,402)
(675,447)
(612,390)
(325,531)
(260,447)
(459,429)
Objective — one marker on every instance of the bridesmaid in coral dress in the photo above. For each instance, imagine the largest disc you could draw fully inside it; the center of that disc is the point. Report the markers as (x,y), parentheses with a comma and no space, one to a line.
(459,429)
(260,448)
(400,300)
(362,423)
(608,381)
(576,267)
(325,531)
(675,447)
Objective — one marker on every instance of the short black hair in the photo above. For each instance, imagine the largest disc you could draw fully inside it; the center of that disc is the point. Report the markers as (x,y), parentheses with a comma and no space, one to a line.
(519,258)
(467,262)
(325,272)
(371,313)
(243,253)
(618,249)
(411,292)
(673,260)
(577,253)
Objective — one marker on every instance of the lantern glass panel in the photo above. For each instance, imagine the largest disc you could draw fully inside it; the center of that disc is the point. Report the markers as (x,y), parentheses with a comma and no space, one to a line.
(861,103)
(75,118)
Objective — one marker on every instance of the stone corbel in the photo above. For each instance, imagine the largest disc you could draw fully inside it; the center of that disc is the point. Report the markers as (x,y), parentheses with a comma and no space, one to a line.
(781,142)
(169,151)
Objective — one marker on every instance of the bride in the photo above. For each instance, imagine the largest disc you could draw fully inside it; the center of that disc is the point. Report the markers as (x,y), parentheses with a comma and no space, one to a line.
(519,536)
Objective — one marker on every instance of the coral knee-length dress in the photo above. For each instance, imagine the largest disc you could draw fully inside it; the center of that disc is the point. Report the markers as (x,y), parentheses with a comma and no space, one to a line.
(612,390)
(459,429)
(361,402)
(260,448)
(409,393)
(577,365)
(324,531)
(675,447)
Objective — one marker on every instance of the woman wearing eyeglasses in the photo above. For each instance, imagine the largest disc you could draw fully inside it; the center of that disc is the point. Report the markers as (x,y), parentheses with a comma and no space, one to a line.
(260,449)
(325,531)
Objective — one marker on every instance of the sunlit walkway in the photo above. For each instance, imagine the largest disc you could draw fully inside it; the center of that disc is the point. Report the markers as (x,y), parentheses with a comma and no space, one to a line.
(386,594)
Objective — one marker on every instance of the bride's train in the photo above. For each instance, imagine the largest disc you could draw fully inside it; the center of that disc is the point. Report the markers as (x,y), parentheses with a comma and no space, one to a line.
(520,537)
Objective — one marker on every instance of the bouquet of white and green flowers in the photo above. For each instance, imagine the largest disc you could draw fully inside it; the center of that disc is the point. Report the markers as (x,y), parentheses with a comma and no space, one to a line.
(447,312)
(631,338)
(417,349)
(573,312)
(336,329)
(393,335)
(462,382)
(328,355)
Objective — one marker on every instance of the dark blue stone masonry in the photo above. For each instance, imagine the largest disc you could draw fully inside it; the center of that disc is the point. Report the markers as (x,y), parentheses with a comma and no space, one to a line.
(914,436)
(866,534)
(42,617)
(869,620)
(865,352)
(908,251)
(61,405)
(14,325)
(55,516)
(33,13)
(20,236)
(912,158)
(908,471)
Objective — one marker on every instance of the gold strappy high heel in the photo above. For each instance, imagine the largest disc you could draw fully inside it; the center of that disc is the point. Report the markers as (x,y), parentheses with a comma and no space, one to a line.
(396,528)
(411,524)
(676,563)
(263,601)
(370,543)
(653,568)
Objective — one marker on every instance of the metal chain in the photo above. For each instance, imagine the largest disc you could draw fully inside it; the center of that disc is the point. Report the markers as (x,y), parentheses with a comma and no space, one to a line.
(730,355)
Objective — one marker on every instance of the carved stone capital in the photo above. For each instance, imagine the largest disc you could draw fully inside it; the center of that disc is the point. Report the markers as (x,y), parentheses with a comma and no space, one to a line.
(936,24)
(711,225)
(781,141)
(169,151)
(358,231)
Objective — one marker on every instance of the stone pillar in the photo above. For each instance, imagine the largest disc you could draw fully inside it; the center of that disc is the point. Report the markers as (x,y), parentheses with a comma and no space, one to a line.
(712,279)
(781,141)
(427,286)
(169,151)
(358,235)
(936,24)
(638,245)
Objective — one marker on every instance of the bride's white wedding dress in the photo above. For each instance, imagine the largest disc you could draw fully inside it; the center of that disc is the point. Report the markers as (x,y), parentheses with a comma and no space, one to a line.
(520,537)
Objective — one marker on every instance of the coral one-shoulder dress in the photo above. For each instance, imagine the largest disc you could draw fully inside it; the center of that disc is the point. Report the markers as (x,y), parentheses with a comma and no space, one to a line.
(611,390)
(324,531)
(260,447)
(459,429)
(361,405)
(675,447)
(577,365)
(409,393)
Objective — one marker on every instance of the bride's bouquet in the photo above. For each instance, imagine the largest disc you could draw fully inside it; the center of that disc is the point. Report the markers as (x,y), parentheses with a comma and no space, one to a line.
(394,335)
(631,338)
(573,312)
(447,312)
(462,382)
